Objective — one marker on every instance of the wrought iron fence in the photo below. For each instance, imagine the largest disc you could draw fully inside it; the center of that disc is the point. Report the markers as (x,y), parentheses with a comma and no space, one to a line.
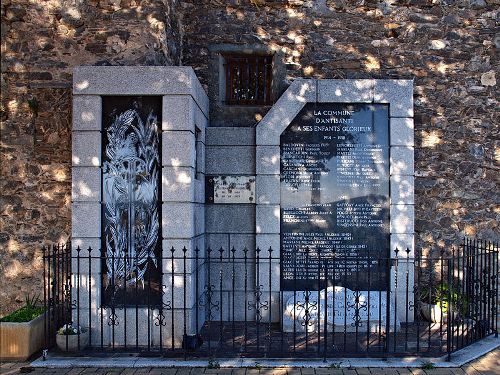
(227,303)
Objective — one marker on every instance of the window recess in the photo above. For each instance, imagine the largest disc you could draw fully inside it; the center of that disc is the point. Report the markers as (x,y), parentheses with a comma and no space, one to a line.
(248,79)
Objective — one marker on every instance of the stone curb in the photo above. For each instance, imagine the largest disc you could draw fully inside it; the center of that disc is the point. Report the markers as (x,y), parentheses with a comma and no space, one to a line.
(458,359)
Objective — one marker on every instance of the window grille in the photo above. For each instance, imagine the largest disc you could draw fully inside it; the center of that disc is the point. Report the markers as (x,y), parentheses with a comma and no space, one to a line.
(248,79)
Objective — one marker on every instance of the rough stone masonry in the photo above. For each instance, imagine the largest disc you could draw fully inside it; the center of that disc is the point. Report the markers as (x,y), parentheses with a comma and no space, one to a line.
(450,48)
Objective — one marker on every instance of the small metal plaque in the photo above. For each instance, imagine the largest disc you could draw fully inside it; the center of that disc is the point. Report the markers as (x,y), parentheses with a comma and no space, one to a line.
(230,189)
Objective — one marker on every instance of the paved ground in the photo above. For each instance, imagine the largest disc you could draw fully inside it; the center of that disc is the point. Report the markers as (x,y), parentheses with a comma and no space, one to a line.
(486,365)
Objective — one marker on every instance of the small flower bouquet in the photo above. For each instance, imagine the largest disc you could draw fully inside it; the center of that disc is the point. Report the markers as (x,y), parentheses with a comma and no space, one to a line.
(71,338)
(70,329)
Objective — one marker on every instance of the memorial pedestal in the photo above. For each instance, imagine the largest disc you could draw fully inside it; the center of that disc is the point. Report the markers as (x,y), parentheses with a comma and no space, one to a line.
(345,311)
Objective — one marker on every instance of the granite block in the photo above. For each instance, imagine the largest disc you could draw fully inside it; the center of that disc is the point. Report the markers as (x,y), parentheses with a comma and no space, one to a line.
(240,242)
(399,93)
(230,218)
(178,220)
(401,131)
(402,189)
(179,290)
(269,269)
(345,90)
(267,189)
(402,241)
(402,218)
(84,243)
(243,303)
(228,272)
(86,184)
(230,136)
(405,278)
(199,219)
(139,80)
(402,160)
(178,149)
(178,184)
(179,113)
(264,241)
(217,254)
(267,218)
(86,149)
(217,240)
(87,112)
(230,160)
(80,261)
(269,129)
(199,243)
(199,188)
(267,160)
(178,245)
(86,219)
(82,294)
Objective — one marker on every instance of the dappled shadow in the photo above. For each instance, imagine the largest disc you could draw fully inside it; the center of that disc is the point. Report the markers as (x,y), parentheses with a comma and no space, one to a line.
(42,41)
(448,49)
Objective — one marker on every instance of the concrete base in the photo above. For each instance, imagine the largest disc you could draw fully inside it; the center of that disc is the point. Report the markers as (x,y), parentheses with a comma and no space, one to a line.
(458,359)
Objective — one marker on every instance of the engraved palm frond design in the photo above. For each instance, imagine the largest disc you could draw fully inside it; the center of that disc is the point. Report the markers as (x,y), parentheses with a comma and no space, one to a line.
(130,175)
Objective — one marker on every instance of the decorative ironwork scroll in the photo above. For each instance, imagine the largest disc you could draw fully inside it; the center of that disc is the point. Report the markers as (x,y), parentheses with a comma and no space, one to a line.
(130,184)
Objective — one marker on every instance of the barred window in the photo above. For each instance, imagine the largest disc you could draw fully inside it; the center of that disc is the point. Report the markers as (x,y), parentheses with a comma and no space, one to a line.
(248,79)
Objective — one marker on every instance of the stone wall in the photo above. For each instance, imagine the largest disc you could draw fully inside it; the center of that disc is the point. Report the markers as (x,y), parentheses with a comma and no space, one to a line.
(449,48)
(41,43)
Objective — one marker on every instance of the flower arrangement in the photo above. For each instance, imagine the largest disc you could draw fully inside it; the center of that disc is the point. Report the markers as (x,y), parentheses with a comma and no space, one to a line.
(71,338)
(70,329)
(435,302)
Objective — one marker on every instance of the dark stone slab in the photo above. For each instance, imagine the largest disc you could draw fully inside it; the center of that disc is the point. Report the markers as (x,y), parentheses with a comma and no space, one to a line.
(335,196)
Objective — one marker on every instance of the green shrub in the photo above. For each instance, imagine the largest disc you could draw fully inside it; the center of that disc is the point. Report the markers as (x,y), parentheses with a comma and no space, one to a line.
(442,294)
(28,312)
(428,366)
(24,314)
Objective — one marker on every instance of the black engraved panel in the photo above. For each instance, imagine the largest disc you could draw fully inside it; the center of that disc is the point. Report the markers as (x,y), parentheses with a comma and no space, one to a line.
(335,196)
(131,207)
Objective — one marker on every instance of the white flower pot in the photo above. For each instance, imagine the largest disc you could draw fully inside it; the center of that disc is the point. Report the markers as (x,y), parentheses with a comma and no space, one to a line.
(69,343)
(435,314)
(432,313)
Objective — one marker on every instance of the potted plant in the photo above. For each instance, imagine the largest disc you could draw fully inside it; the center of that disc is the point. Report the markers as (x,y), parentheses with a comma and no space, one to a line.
(71,338)
(22,331)
(434,303)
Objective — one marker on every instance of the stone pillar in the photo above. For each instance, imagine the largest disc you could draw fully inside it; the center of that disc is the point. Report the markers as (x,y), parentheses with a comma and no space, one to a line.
(267,216)
(183,213)
(231,153)
(399,95)
(184,120)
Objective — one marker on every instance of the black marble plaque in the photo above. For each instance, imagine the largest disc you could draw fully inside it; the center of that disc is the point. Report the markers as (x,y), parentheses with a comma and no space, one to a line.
(335,197)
